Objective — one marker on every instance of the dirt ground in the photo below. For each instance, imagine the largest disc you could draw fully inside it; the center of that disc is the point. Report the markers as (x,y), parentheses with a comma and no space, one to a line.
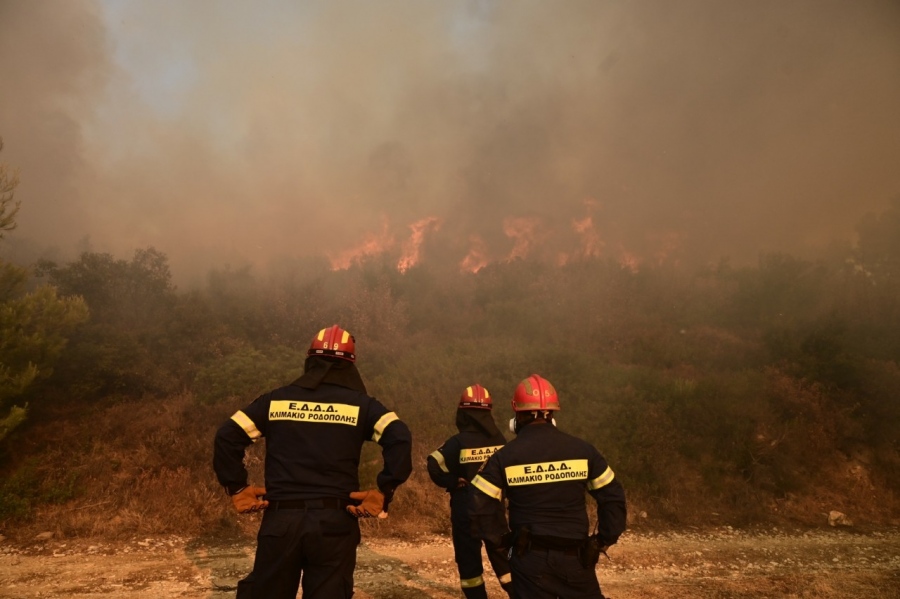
(720,563)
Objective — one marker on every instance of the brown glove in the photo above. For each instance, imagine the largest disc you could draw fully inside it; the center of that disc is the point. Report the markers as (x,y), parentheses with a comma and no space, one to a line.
(248,499)
(371,503)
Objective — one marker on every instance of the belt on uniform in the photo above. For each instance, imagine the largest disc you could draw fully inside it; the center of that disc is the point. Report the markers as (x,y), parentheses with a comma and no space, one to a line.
(542,549)
(309,504)
(567,547)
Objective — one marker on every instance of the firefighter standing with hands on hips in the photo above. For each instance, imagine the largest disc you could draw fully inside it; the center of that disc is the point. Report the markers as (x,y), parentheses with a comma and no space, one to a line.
(314,430)
(544,474)
(452,466)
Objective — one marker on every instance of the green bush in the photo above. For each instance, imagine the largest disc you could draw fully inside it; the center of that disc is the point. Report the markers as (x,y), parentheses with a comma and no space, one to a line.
(248,373)
(30,485)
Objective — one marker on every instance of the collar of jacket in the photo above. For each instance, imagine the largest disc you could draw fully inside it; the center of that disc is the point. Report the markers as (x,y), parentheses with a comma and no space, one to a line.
(318,370)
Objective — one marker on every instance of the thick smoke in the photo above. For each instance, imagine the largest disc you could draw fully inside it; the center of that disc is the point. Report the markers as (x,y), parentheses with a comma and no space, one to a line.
(232,132)
(54,64)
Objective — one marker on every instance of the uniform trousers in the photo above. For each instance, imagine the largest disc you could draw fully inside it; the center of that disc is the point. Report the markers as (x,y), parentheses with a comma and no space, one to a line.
(315,546)
(553,574)
(467,552)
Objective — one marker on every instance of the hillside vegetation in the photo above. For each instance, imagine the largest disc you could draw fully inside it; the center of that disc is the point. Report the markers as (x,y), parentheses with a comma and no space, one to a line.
(719,395)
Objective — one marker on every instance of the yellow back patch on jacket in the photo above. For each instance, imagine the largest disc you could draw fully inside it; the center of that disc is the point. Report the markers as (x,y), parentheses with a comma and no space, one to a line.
(310,411)
(477,454)
(546,472)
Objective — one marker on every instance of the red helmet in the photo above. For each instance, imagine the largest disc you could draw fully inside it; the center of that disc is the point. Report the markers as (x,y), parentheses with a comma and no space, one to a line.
(335,342)
(476,396)
(535,394)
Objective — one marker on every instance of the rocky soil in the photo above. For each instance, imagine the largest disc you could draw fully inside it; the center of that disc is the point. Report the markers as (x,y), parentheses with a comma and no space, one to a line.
(718,563)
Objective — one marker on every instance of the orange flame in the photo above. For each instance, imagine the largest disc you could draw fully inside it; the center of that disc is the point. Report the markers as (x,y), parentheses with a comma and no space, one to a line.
(411,247)
(371,245)
(521,229)
(583,240)
(591,244)
(476,259)
(629,260)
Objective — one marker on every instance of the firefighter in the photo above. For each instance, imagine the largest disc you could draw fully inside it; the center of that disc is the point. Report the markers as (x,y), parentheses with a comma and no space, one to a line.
(544,474)
(314,430)
(452,467)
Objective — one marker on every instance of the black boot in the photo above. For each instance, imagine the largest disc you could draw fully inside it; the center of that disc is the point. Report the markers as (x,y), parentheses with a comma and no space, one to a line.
(508,587)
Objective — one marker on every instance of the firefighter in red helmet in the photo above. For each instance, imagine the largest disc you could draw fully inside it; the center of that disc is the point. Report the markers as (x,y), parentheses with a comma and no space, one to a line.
(451,467)
(544,474)
(314,430)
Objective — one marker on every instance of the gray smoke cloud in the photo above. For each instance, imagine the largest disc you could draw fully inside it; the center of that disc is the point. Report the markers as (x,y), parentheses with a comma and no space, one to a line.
(233,132)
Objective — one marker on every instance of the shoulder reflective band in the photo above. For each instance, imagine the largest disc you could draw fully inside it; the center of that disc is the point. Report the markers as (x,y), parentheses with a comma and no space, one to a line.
(245,423)
(477,454)
(546,472)
(602,480)
(469,583)
(487,488)
(439,458)
(311,411)
(382,424)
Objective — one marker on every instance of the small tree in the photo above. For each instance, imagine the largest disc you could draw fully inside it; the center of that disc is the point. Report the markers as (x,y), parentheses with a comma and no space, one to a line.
(9,179)
(34,326)
(134,343)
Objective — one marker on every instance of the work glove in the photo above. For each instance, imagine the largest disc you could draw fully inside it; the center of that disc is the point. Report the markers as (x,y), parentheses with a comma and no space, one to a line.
(371,503)
(248,499)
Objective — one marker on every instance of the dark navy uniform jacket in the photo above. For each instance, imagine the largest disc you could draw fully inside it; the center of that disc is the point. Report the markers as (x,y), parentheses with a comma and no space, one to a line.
(313,442)
(461,456)
(544,474)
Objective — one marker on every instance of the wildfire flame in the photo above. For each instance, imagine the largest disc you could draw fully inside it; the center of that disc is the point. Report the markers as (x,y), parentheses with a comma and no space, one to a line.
(372,244)
(582,240)
(414,243)
(591,244)
(521,229)
(476,259)
(629,260)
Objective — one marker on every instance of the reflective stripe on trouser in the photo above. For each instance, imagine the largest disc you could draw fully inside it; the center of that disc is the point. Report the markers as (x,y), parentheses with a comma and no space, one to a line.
(467,553)
(320,544)
(551,575)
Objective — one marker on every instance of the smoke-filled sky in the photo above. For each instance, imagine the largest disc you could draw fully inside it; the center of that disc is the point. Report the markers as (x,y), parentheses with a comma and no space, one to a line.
(241,132)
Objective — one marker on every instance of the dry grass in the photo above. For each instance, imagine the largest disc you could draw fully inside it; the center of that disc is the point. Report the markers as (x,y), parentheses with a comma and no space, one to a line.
(139,468)
(144,467)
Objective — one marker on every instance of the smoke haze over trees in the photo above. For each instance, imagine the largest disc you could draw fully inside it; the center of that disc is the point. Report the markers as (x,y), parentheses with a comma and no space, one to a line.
(684,214)
(752,394)
(225,132)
